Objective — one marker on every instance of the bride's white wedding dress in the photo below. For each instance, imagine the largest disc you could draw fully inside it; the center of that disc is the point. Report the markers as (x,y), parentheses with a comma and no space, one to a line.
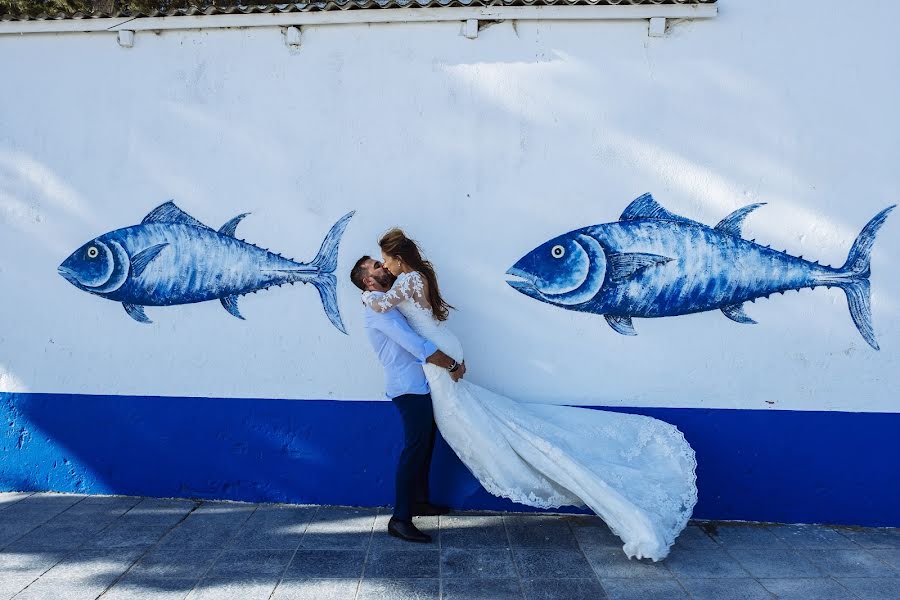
(637,473)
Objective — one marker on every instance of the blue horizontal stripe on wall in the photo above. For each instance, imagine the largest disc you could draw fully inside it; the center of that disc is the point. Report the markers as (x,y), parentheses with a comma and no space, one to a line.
(782,466)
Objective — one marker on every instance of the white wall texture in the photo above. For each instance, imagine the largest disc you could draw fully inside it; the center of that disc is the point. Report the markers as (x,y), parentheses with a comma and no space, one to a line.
(481,149)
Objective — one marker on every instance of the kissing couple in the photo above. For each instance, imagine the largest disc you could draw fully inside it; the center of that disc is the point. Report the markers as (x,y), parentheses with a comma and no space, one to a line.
(635,472)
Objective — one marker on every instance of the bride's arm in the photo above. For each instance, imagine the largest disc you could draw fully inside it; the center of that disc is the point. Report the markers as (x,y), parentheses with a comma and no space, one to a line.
(404,288)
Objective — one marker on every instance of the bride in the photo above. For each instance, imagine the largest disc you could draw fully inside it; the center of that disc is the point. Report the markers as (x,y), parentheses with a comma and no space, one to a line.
(635,472)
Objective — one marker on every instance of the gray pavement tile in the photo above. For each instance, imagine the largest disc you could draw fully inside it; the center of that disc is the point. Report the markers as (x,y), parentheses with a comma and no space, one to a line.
(807,589)
(340,528)
(326,564)
(848,563)
(12,584)
(398,589)
(583,521)
(316,589)
(775,562)
(746,536)
(542,534)
(725,589)
(54,589)
(643,589)
(159,511)
(563,589)
(93,566)
(703,564)
(135,587)
(596,537)
(813,537)
(101,506)
(177,563)
(10,532)
(403,564)
(274,528)
(211,535)
(7,499)
(343,520)
(612,562)
(531,519)
(552,563)
(466,531)
(693,537)
(48,502)
(335,541)
(873,588)
(52,537)
(125,535)
(230,588)
(882,537)
(12,563)
(482,589)
(890,556)
(284,537)
(478,563)
(250,563)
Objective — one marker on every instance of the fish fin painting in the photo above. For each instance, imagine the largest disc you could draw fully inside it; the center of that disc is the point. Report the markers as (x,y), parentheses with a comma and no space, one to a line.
(653,263)
(171,258)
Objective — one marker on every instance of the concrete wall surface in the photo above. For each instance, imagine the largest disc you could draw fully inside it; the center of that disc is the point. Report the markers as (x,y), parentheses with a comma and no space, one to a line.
(482,150)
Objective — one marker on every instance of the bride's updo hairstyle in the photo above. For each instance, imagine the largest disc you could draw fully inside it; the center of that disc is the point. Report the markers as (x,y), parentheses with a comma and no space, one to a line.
(395,243)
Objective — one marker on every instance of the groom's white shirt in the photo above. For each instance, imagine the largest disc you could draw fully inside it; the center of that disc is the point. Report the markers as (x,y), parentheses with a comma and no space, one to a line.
(401,350)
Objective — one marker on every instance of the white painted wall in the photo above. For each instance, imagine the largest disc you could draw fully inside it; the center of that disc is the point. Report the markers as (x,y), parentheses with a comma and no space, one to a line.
(481,149)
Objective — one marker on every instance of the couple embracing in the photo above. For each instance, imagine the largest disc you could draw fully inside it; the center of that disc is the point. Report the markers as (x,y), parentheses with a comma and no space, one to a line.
(635,472)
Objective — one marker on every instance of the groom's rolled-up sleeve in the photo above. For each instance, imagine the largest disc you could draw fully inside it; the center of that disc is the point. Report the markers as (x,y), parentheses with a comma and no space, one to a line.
(395,327)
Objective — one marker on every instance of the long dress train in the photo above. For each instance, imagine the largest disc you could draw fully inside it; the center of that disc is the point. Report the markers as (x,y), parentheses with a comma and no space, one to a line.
(637,473)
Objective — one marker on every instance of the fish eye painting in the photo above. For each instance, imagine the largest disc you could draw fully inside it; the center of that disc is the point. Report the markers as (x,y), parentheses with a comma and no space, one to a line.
(653,263)
(172,258)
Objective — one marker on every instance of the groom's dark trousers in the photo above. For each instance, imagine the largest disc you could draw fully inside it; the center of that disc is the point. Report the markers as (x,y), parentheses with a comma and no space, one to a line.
(419,431)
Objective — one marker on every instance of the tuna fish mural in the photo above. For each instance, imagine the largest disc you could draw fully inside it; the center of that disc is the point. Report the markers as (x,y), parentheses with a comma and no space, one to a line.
(172,258)
(653,263)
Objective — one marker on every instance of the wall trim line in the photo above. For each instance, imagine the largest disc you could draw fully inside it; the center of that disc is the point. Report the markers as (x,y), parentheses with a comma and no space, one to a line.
(364,16)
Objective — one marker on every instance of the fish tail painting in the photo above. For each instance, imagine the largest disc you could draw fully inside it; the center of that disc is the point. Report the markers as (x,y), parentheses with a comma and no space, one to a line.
(172,258)
(326,262)
(653,263)
(853,277)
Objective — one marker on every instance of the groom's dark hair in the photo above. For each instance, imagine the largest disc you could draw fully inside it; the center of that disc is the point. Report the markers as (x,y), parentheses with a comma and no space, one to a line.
(359,272)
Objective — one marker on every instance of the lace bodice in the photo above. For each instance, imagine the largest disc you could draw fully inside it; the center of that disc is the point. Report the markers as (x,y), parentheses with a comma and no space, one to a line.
(409,297)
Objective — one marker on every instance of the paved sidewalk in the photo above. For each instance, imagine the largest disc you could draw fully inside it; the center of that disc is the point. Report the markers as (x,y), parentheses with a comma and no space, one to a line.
(68,547)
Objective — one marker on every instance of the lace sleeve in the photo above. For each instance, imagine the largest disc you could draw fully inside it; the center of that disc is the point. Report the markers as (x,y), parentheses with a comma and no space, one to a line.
(408,286)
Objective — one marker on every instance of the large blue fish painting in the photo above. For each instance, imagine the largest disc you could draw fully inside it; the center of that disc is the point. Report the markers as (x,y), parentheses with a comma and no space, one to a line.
(172,258)
(653,263)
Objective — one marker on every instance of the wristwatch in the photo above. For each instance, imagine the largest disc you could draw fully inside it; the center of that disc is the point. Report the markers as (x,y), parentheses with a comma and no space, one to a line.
(454,367)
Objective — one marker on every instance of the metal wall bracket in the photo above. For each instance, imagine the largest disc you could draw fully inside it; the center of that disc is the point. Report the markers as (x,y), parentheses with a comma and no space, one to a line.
(470,28)
(126,38)
(657,27)
(292,37)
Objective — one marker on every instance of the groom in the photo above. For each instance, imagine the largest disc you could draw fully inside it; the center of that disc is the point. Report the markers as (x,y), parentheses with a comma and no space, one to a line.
(402,353)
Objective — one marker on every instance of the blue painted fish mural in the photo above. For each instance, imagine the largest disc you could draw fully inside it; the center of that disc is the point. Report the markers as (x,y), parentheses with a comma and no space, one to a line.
(172,258)
(653,263)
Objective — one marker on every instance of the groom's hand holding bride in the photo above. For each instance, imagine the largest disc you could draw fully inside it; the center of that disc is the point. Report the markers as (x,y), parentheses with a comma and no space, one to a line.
(439,359)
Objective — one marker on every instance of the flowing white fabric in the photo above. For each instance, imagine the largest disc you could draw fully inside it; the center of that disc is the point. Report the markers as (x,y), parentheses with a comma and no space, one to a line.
(637,473)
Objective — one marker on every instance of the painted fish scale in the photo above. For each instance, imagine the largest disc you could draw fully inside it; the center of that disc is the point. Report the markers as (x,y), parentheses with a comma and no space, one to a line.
(212,265)
(708,270)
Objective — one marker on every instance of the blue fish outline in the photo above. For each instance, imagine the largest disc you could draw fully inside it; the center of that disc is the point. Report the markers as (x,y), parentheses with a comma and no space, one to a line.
(653,263)
(171,258)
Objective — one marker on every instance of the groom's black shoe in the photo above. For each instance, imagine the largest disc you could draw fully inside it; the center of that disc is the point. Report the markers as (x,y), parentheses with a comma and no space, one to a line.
(405,530)
(426,509)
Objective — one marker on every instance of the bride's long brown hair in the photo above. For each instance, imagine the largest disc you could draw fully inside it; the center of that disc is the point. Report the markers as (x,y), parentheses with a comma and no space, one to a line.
(395,243)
